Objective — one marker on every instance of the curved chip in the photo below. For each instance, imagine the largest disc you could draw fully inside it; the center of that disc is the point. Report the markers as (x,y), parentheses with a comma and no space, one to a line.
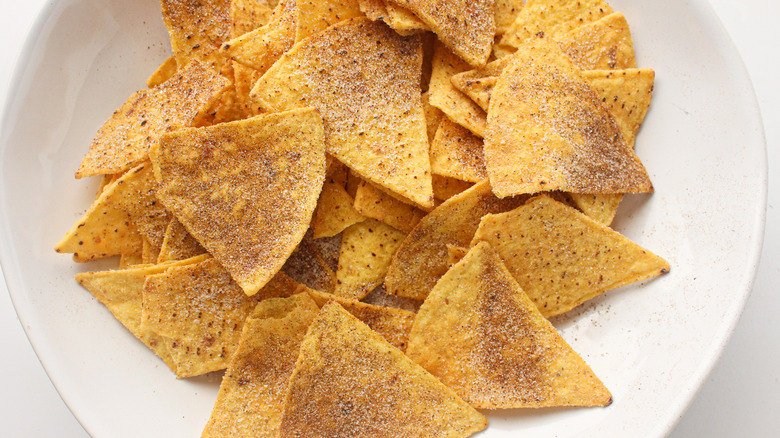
(245,190)
(479,334)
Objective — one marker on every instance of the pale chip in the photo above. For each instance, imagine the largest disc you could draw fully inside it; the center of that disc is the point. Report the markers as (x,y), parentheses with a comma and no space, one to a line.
(335,211)
(163,73)
(374,203)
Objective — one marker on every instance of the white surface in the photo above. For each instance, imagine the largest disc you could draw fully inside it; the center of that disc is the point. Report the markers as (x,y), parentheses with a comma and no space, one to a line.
(739,396)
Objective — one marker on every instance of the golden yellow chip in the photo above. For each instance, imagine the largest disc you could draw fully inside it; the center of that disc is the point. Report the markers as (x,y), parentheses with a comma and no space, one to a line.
(245,190)
(600,208)
(466,27)
(561,257)
(130,260)
(373,9)
(478,84)
(423,258)
(350,381)
(201,311)
(456,253)
(335,211)
(506,12)
(122,293)
(248,15)
(308,266)
(402,20)
(103,231)
(197,30)
(163,73)
(392,324)
(445,187)
(251,397)
(548,130)
(433,117)
(366,251)
(551,18)
(149,252)
(317,15)
(368,93)
(260,48)
(374,203)
(602,44)
(479,334)
(125,139)
(443,95)
(178,243)
(457,153)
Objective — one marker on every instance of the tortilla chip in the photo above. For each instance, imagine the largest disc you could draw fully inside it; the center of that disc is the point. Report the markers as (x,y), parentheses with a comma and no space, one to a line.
(373,9)
(559,270)
(163,73)
(130,260)
(548,130)
(479,334)
(122,293)
(335,211)
(317,15)
(149,252)
(367,90)
(600,208)
(551,18)
(433,117)
(178,243)
(260,48)
(380,297)
(103,231)
(603,44)
(248,15)
(445,187)
(466,27)
(443,95)
(506,12)
(456,253)
(366,251)
(308,267)
(245,190)
(374,203)
(402,20)
(478,84)
(251,397)
(391,324)
(197,29)
(345,368)
(201,310)
(125,139)
(457,153)
(423,258)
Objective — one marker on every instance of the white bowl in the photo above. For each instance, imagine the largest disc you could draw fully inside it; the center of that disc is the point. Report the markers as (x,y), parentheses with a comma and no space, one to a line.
(652,344)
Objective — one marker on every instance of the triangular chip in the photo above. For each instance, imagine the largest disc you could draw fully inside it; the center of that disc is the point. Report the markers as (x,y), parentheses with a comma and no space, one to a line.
(366,251)
(245,190)
(349,381)
(478,84)
(392,324)
(178,243)
(251,397)
(479,334)
(307,266)
(335,211)
(374,203)
(443,95)
(423,258)
(197,29)
(602,44)
(122,293)
(457,153)
(506,12)
(548,130)
(561,257)
(402,20)
(368,93)
(467,27)
(433,116)
(125,139)
(445,187)
(248,15)
(317,15)
(163,73)
(373,9)
(201,311)
(600,208)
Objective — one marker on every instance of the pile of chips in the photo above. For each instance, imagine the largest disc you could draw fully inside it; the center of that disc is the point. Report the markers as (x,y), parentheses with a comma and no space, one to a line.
(364,211)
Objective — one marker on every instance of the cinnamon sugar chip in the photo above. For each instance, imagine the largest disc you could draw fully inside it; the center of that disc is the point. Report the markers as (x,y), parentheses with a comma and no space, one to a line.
(198,28)
(479,334)
(260,48)
(478,84)
(602,44)
(551,18)
(163,73)
(317,15)
(178,244)
(374,203)
(245,190)
(125,139)
(457,153)
(423,258)
(251,397)
(373,9)
(548,130)
(561,257)
(392,324)
(402,20)
(122,293)
(443,94)
(349,381)
(365,81)
(248,15)
(366,251)
(445,187)
(433,116)
(201,311)
(335,211)
(467,27)
(506,12)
